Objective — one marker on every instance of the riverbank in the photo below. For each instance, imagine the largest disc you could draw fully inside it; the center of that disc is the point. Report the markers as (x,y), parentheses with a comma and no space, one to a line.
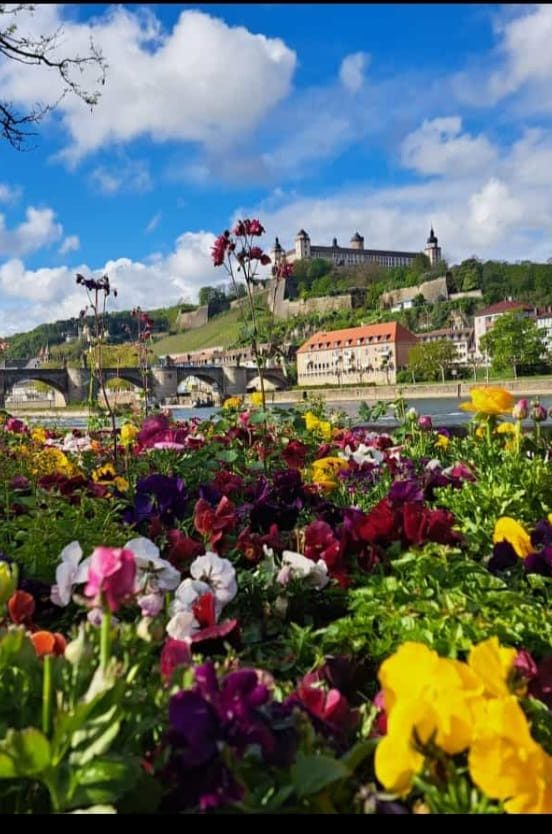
(449,390)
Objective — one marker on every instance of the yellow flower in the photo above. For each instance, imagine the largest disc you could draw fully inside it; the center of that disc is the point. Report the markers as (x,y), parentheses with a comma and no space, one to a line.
(256,399)
(128,434)
(442,441)
(492,663)
(38,435)
(427,698)
(506,763)
(509,530)
(321,427)
(506,428)
(325,471)
(489,401)
(480,432)
(231,402)
(104,473)
(49,460)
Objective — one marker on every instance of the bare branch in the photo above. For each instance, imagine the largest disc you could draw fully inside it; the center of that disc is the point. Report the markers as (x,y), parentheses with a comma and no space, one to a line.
(42,51)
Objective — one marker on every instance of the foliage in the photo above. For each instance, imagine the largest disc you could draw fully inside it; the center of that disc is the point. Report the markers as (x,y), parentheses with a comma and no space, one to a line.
(429,360)
(514,340)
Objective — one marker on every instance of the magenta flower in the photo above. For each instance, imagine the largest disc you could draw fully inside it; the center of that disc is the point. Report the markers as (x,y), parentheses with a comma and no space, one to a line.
(521,410)
(112,573)
(425,423)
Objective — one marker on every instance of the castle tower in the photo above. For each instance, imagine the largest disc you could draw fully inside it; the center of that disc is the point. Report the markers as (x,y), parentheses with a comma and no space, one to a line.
(433,250)
(357,241)
(302,245)
(277,253)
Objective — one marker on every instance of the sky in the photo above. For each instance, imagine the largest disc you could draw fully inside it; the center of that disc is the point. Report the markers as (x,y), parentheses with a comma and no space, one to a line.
(336,118)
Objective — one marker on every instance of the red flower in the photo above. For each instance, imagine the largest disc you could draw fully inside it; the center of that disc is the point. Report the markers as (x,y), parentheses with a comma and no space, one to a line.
(21,607)
(380,525)
(226,482)
(379,727)
(252,544)
(214,523)
(204,610)
(320,543)
(47,643)
(439,528)
(329,706)
(174,653)
(295,454)
(181,549)
(415,522)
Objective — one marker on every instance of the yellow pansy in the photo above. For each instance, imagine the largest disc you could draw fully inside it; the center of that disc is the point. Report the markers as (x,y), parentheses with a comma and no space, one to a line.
(39,435)
(507,428)
(428,698)
(232,402)
(506,763)
(509,530)
(492,663)
(104,473)
(256,399)
(50,460)
(324,471)
(128,434)
(442,441)
(489,401)
(311,421)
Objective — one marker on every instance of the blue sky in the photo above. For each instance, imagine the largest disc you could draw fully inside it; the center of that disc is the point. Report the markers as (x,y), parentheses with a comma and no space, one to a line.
(331,117)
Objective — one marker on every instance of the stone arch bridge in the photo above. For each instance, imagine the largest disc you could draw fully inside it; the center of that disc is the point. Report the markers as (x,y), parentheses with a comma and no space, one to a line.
(74,383)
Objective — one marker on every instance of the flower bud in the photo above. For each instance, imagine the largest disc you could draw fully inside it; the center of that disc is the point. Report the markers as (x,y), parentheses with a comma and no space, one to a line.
(538,412)
(425,422)
(521,410)
(78,649)
(411,413)
(8,581)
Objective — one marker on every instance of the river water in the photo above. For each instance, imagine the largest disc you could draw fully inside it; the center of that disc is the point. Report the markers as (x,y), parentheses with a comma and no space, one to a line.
(444,411)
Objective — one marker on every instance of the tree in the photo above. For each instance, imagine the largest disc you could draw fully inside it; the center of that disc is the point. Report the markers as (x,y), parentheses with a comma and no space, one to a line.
(514,340)
(42,51)
(428,359)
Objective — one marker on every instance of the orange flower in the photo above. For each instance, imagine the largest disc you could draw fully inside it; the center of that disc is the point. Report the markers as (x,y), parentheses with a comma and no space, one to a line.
(21,606)
(47,643)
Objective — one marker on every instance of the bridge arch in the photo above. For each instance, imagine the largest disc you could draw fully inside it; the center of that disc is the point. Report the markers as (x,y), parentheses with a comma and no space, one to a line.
(12,381)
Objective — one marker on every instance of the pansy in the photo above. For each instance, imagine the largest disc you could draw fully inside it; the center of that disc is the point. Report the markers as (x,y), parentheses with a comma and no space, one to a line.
(218,574)
(70,572)
(315,573)
(111,574)
(363,454)
(489,401)
(151,568)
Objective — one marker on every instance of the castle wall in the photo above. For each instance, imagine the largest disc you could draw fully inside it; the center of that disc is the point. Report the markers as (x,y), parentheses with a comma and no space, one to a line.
(191,321)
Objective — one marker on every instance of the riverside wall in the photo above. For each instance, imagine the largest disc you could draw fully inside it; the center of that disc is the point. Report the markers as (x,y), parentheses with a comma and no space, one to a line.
(451,390)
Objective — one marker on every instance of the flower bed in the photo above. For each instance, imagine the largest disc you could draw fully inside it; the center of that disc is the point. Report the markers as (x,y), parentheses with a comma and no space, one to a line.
(272,612)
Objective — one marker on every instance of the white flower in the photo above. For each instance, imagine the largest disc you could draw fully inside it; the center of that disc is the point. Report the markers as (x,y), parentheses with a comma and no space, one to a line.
(187,594)
(182,625)
(219,574)
(70,572)
(76,444)
(150,566)
(315,572)
(150,604)
(363,454)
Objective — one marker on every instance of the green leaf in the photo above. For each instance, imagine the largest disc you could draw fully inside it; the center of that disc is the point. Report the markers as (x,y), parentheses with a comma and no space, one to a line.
(103,781)
(360,751)
(311,774)
(24,753)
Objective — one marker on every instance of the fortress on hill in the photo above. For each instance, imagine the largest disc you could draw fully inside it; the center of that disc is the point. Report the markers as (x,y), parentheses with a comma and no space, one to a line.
(354,254)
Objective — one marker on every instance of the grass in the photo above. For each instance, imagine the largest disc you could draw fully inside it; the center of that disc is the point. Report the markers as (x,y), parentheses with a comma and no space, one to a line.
(221,330)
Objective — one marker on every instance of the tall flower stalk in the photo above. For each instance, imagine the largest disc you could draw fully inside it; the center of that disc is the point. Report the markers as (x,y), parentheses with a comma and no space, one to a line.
(98,291)
(145,326)
(237,252)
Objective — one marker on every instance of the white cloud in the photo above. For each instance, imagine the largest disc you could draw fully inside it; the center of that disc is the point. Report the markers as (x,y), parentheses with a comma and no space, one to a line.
(38,230)
(439,147)
(131,175)
(70,244)
(351,72)
(153,222)
(9,193)
(203,82)
(48,294)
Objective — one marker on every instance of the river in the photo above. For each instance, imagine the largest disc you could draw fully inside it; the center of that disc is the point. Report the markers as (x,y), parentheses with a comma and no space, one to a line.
(444,411)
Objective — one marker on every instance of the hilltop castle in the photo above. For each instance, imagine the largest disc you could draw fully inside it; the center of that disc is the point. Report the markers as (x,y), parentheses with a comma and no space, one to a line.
(354,254)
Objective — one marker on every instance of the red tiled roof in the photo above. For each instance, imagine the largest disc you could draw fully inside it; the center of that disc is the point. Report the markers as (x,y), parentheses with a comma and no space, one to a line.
(390,331)
(503,307)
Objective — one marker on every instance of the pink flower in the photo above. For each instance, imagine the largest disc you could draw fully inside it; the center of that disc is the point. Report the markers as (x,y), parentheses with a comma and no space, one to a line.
(521,410)
(112,572)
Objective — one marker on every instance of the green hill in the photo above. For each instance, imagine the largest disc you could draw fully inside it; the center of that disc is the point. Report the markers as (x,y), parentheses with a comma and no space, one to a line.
(221,330)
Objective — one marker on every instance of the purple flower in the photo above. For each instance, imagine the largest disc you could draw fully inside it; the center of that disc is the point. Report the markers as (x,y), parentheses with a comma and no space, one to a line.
(402,491)
(425,422)
(504,557)
(160,495)
(540,562)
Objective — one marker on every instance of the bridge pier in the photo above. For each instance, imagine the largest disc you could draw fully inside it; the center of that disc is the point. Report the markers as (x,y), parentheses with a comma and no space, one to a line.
(234,380)
(164,383)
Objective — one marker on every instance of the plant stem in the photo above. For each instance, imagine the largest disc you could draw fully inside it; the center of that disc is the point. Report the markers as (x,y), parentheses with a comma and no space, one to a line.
(105,639)
(46,694)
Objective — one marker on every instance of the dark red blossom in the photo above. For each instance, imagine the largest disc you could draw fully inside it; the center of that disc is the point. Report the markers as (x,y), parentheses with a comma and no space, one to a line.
(220,247)
(214,523)
(175,653)
(181,549)
(252,544)
(21,607)
(295,454)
